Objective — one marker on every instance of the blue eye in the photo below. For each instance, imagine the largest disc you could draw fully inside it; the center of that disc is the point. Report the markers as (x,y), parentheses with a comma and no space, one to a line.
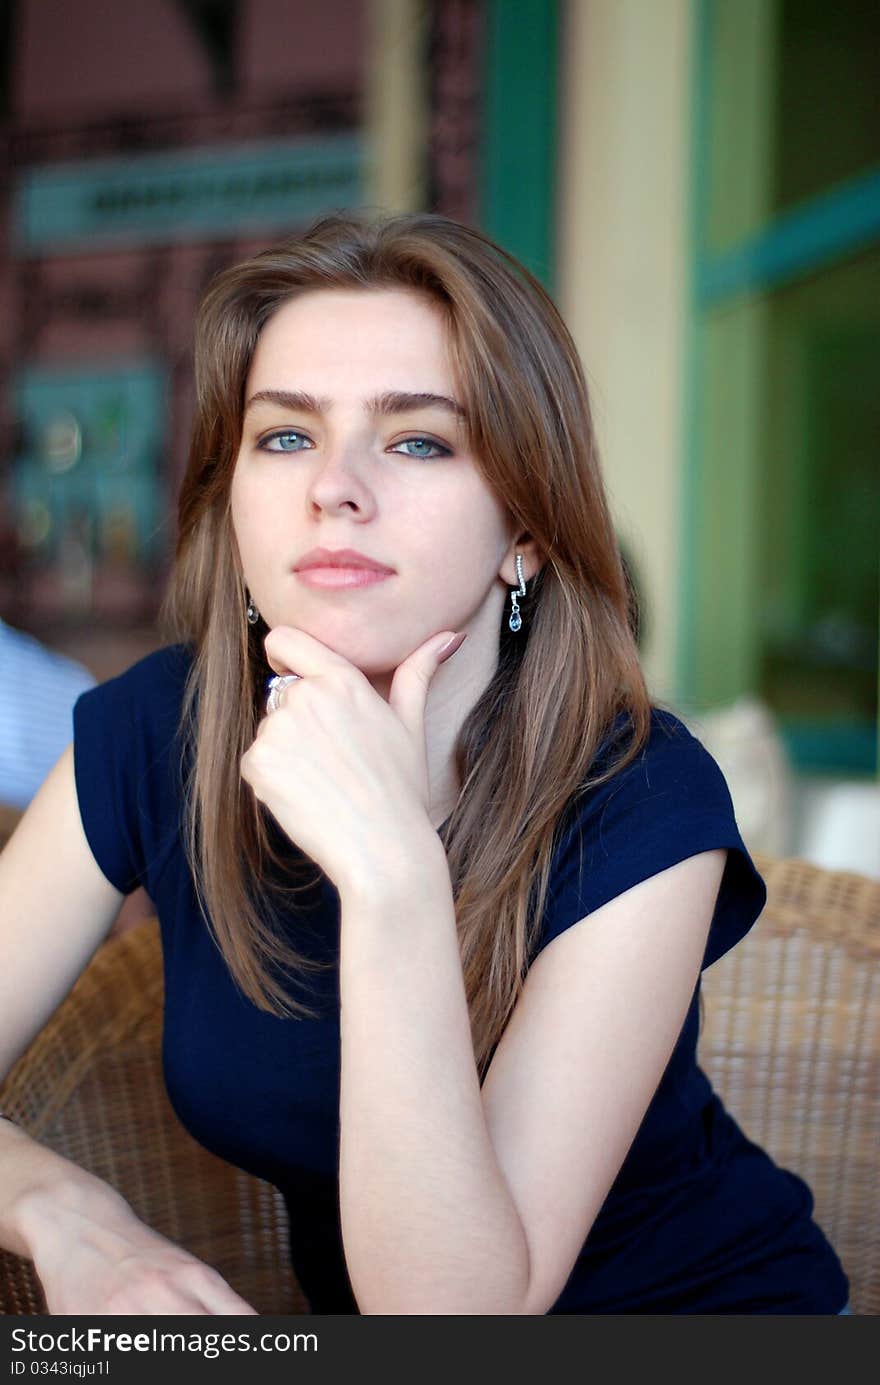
(421,446)
(288,441)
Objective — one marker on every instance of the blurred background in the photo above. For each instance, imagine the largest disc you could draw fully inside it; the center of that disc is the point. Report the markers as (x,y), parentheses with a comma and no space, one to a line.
(696,181)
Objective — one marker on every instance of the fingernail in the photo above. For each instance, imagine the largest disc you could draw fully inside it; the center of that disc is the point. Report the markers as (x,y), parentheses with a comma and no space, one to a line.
(448,649)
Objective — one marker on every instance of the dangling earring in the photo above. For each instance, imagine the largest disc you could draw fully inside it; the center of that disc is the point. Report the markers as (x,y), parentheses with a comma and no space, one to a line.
(253,614)
(515,620)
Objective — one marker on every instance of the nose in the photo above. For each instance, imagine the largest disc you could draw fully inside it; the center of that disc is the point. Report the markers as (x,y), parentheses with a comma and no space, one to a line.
(340,480)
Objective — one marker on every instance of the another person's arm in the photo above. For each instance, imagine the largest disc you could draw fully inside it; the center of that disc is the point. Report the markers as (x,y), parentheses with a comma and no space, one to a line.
(90,1251)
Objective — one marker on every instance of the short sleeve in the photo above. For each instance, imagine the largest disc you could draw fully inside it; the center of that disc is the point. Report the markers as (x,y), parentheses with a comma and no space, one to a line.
(124,734)
(672,802)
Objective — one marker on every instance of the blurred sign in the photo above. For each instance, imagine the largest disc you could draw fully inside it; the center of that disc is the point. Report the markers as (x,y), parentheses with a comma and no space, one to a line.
(192,194)
(86,483)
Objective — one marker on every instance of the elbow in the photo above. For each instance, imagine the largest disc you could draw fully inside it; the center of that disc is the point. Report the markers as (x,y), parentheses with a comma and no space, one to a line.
(479,1276)
(485,1295)
(441,1305)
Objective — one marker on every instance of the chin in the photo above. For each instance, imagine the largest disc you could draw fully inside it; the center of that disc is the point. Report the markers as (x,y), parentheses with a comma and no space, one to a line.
(359,648)
(372,665)
(356,640)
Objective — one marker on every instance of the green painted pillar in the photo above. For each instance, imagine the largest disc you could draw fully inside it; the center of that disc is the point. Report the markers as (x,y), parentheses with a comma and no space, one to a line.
(518,157)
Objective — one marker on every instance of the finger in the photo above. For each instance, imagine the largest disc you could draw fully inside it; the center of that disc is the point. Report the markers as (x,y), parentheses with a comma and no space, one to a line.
(228,1302)
(412,679)
(291,650)
(215,1295)
(163,1299)
(222,1298)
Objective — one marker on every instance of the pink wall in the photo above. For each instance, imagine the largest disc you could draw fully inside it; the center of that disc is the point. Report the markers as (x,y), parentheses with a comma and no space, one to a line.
(285,46)
(106,56)
(84,60)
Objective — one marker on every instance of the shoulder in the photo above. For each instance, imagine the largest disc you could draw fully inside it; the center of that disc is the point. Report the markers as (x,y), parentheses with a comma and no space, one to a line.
(128,765)
(134,718)
(669,803)
(672,770)
(165,670)
(152,687)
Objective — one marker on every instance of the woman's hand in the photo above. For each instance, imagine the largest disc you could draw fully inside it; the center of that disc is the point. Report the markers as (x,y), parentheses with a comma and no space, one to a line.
(344,772)
(97,1258)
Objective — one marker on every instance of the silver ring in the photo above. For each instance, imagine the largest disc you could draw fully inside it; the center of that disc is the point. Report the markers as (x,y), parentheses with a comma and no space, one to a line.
(276,686)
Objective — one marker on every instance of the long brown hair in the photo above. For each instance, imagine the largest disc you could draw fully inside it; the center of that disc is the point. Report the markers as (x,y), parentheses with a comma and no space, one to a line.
(527,748)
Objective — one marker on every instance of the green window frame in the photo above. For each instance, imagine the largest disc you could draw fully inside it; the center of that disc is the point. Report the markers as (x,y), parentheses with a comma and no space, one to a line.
(719,643)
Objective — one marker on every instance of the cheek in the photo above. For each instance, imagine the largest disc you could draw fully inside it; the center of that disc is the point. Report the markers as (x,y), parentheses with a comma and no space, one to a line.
(476,537)
(251,521)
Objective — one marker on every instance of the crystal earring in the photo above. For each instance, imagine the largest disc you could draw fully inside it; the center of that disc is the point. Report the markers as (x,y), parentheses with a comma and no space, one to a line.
(253,614)
(515,620)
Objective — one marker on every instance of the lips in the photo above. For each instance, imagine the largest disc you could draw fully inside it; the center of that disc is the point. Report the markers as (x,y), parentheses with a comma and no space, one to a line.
(348,558)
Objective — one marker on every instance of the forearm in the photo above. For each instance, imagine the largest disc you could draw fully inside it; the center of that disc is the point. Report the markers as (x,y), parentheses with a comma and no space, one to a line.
(39,1189)
(91,1252)
(429,1224)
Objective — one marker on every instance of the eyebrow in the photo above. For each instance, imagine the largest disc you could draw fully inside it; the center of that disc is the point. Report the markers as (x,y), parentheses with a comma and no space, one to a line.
(392,402)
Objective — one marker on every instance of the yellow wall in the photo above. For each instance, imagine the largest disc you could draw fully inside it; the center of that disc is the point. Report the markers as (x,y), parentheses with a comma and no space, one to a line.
(623,220)
(395,105)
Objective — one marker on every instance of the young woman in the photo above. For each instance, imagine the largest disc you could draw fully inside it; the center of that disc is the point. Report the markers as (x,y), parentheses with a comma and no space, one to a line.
(434,915)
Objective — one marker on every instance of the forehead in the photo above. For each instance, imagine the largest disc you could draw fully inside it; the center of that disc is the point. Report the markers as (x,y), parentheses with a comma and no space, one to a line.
(393,337)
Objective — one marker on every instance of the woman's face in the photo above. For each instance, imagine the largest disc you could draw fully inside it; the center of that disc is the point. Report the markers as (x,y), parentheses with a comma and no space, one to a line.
(353,439)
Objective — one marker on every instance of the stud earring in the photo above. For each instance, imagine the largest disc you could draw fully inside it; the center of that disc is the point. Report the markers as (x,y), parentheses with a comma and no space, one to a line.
(515,620)
(253,614)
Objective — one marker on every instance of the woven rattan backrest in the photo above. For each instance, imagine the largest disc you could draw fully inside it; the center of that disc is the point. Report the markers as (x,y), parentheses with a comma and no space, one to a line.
(791,1042)
(91,1087)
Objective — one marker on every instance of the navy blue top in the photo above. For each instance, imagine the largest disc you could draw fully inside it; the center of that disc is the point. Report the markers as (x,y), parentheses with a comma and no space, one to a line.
(699,1219)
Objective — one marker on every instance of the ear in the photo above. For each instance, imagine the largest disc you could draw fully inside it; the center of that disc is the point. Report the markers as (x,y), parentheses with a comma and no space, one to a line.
(532,556)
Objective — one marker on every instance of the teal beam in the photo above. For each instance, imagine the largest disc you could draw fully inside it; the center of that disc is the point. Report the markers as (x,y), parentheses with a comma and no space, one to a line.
(832,748)
(841,222)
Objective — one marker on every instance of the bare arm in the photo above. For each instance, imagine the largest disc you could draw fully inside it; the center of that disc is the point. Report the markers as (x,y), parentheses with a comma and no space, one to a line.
(429,1222)
(461,1200)
(91,1252)
(55,908)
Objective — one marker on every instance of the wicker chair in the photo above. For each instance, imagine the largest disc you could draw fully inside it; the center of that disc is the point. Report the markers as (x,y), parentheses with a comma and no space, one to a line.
(91,1087)
(791,1040)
